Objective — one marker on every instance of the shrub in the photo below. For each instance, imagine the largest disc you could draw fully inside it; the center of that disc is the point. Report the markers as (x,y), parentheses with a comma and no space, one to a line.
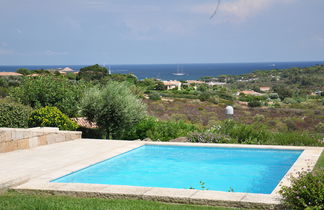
(254,103)
(51,117)
(305,192)
(167,130)
(320,127)
(3,92)
(139,131)
(273,95)
(204,96)
(208,137)
(242,133)
(155,96)
(293,139)
(14,115)
(160,130)
(94,72)
(44,91)
(290,101)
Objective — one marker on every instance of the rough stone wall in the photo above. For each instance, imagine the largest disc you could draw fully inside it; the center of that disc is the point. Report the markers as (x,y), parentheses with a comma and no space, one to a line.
(20,138)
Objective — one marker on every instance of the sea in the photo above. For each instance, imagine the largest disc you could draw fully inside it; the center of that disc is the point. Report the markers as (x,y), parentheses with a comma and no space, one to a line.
(179,71)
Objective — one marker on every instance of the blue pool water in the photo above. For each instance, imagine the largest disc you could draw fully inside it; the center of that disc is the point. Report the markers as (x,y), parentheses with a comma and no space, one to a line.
(221,169)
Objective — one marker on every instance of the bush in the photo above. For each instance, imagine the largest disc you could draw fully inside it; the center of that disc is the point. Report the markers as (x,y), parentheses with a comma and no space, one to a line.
(51,117)
(293,139)
(273,95)
(254,104)
(3,92)
(167,130)
(155,96)
(290,101)
(160,130)
(44,91)
(94,72)
(14,115)
(208,137)
(204,96)
(306,191)
(242,133)
(139,131)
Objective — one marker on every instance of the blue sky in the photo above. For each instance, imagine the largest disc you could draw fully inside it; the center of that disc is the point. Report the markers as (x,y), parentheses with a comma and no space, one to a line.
(152,31)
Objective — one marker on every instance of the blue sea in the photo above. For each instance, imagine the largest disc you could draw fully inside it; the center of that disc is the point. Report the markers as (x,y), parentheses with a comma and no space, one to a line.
(188,71)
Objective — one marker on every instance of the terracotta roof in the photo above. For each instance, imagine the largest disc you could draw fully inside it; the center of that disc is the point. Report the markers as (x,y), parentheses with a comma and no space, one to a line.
(83,122)
(10,74)
(265,88)
(251,92)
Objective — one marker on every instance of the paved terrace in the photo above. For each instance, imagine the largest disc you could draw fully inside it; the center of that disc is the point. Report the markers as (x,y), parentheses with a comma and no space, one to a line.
(32,170)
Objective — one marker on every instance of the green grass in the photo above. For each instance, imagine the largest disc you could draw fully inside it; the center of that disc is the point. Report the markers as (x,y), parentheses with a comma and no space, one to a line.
(320,162)
(13,200)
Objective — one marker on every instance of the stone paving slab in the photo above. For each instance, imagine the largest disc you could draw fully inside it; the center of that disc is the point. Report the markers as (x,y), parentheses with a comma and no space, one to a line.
(55,157)
(43,164)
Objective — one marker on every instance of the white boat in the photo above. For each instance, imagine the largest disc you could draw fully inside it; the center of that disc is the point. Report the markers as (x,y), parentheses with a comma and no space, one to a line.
(179,73)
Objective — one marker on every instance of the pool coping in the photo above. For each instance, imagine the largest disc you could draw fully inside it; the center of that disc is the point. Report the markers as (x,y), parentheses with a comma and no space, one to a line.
(41,184)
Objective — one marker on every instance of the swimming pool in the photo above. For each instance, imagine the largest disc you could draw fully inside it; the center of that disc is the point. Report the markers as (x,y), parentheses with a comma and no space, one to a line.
(215,168)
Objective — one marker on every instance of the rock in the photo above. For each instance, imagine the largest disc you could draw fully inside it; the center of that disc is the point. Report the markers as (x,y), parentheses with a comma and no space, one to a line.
(179,139)
(147,139)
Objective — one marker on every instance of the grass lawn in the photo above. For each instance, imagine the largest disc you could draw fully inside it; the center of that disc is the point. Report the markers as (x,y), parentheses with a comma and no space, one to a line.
(320,162)
(14,200)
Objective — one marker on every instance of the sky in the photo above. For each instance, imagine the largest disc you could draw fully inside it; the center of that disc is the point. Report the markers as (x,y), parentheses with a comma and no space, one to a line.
(48,32)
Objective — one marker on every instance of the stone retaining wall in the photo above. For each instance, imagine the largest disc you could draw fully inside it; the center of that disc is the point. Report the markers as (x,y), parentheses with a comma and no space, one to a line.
(20,138)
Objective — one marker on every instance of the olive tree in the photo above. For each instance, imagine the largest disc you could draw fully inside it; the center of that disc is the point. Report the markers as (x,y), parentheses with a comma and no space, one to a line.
(113,108)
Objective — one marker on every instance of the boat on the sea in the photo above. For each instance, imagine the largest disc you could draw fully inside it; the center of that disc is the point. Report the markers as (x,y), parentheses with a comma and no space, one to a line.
(179,72)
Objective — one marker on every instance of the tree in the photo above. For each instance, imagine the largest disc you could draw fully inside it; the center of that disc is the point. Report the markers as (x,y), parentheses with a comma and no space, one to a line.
(283,92)
(114,108)
(44,91)
(94,72)
(14,115)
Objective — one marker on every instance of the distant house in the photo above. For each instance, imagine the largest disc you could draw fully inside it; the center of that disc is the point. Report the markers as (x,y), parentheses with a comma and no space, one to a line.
(7,74)
(211,83)
(193,83)
(250,92)
(172,84)
(265,89)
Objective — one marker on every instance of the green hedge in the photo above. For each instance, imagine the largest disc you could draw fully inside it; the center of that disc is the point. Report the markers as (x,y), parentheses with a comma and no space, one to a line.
(14,115)
(160,130)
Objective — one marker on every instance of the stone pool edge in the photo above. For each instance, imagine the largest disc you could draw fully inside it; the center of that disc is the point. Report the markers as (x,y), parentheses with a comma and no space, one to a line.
(42,184)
